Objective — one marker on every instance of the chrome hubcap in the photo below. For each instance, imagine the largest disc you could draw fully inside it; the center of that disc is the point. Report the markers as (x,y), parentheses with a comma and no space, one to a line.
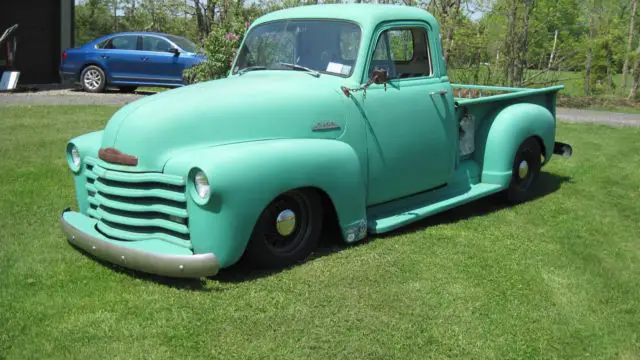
(92,79)
(286,222)
(523,169)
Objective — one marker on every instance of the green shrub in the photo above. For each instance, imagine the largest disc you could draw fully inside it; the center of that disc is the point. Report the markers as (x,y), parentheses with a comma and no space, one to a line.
(220,47)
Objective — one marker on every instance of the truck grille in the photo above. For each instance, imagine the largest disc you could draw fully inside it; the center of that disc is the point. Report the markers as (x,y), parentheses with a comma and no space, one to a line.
(137,206)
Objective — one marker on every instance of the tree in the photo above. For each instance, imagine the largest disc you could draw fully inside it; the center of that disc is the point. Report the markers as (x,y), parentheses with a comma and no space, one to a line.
(93,19)
(625,67)
(589,60)
(635,74)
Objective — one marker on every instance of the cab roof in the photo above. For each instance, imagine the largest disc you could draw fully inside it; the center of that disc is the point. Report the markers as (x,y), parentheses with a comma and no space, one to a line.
(362,14)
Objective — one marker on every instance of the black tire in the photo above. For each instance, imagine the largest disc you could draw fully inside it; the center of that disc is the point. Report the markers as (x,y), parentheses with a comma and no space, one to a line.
(127,89)
(525,172)
(93,79)
(269,247)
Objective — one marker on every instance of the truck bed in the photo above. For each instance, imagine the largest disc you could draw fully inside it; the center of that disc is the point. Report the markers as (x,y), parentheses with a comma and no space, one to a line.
(477,106)
(480,94)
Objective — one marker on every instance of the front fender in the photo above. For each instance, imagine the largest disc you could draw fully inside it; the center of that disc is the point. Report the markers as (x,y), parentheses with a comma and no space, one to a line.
(502,137)
(245,177)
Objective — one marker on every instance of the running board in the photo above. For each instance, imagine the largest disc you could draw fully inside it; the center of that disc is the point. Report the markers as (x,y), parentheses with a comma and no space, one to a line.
(390,216)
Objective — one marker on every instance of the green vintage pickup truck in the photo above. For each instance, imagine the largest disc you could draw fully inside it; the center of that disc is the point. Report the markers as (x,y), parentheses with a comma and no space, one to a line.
(331,114)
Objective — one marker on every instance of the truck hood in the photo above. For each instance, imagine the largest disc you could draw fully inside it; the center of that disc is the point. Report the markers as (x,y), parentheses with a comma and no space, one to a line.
(255,106)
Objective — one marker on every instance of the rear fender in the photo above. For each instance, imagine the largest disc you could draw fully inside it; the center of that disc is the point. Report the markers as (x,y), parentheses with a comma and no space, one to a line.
(245,177)
(500,138)
(95,60)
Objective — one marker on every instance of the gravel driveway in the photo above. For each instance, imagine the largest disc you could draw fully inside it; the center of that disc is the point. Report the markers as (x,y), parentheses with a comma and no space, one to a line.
(68,97)
(77,97)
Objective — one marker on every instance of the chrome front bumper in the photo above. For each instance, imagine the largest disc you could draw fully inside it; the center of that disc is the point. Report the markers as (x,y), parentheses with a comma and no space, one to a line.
(80,234)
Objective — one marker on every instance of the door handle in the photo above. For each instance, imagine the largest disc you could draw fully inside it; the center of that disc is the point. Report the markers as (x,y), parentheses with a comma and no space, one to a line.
(144,58)
(439,92)
(105,57)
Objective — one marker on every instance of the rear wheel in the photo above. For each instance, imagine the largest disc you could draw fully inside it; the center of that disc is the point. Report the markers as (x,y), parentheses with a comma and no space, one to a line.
(93,79)
(525,172)
(287,231)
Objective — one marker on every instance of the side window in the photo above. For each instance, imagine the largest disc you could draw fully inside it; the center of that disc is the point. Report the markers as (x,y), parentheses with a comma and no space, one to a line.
(125,42)
(102,44)
(401,42)
(403,52)
(152,43)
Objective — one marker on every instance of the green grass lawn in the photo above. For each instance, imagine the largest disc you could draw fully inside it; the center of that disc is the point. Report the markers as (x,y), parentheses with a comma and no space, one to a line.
(558,277)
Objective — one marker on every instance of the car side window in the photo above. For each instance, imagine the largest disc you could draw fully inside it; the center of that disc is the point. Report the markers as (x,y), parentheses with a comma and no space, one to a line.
(403,53)
(124,42)
(152,43)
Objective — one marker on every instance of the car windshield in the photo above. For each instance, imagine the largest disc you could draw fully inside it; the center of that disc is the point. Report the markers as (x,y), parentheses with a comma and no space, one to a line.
(325,46)
(185,44)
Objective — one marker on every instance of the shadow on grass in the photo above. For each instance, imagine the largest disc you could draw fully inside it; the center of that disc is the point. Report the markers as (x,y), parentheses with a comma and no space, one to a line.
(332,242)
(178,283)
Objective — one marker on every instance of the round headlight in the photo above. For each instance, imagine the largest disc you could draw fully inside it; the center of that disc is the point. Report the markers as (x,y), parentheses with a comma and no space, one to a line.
(73,157)
(202,184)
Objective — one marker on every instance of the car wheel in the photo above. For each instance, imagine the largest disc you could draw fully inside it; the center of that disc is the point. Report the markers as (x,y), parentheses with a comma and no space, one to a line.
(525,172)
(93,79)
(287,231)
(127,89)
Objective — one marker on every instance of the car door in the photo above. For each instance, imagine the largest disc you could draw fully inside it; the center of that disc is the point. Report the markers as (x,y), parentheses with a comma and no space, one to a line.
(411,145)
(122,57)
(161,65)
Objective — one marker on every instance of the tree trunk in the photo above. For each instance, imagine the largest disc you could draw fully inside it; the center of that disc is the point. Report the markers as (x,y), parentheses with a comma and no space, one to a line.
(452,20)
(199,18)
(635,75)
(115,15)
(625,67)
(553,50)
(587,65)
(521,61)
(509,47)
(609,70)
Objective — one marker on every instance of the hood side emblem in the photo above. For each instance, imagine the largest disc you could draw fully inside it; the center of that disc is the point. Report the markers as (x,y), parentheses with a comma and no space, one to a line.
(327,125)
(114,156)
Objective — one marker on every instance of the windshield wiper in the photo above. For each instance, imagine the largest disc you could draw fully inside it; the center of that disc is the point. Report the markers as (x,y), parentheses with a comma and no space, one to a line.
(251,68)
(300,67)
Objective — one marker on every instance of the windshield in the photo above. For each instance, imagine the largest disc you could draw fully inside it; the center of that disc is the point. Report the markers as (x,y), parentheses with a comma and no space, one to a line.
(184,44)
(326,46)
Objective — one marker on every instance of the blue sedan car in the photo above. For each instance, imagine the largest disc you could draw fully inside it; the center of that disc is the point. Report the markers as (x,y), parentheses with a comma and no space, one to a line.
(130,59)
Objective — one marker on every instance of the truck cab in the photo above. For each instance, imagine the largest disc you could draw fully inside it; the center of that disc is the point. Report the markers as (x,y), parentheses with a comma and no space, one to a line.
(330,114)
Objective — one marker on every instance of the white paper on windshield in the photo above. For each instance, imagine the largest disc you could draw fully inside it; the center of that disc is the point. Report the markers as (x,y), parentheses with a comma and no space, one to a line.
(334,67)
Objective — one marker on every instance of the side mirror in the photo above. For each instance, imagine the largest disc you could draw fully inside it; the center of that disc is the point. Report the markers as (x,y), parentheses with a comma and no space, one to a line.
(379,76)
(174,51)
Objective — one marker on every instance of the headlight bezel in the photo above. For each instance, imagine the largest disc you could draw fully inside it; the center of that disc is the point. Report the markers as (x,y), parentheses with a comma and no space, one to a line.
(200,190)
(74,158)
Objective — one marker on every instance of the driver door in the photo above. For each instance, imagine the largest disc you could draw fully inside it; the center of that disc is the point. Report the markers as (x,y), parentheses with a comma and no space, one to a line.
(411,142)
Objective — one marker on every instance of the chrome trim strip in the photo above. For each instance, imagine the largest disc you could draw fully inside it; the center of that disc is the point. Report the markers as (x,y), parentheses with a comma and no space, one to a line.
(183,266)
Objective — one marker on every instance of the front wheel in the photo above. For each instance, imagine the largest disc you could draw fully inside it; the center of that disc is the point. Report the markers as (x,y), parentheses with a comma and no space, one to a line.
(287,231)
(525,172)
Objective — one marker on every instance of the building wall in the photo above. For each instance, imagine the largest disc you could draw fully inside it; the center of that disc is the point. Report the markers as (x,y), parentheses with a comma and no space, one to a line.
(45,28)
